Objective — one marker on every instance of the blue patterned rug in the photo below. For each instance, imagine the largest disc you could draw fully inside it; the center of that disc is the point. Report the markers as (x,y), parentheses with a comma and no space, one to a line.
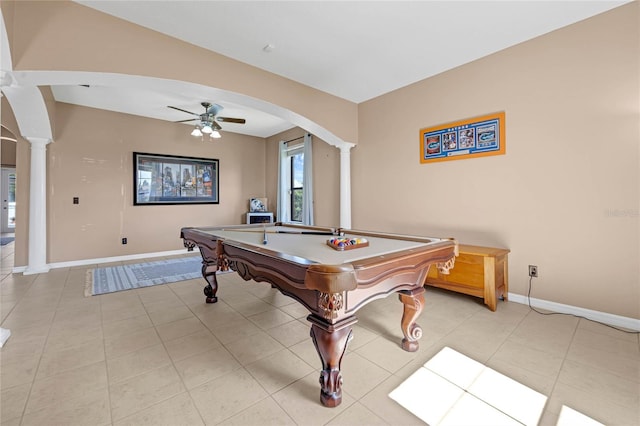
(5,240)
(127,277)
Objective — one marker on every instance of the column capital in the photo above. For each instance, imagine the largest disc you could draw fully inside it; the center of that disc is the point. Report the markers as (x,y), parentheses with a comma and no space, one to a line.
(38,141)
(346,146)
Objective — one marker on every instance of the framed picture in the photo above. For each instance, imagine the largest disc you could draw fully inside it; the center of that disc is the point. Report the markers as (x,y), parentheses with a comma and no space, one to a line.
(170,179)
(257,205)
(473,137)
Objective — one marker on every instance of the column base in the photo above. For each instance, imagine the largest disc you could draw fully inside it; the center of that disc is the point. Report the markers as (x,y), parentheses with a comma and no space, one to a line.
(36,270)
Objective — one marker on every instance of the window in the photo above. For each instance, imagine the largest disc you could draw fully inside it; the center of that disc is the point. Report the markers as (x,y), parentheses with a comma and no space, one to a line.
(295,181)
(295,163)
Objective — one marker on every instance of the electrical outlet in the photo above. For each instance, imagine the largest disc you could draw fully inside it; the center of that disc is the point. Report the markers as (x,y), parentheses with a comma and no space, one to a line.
(124,241)
(533,271)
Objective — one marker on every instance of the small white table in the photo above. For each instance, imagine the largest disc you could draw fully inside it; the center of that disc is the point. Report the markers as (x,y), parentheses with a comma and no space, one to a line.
(260,217)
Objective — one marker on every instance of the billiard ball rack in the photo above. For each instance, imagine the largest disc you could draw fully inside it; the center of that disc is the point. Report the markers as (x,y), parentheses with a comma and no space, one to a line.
(342,244)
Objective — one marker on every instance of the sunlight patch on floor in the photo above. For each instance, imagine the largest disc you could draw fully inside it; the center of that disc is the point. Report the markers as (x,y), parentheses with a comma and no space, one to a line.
(570,417)
(453,389)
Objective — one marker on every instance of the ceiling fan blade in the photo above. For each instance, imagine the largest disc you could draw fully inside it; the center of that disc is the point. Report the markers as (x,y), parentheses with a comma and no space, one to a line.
(231,120)
(213,109)
(185,121)
(216,126)
(184,110)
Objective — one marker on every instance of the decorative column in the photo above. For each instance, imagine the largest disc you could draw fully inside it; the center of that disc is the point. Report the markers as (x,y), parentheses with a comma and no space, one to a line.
(38,207)
(345,185)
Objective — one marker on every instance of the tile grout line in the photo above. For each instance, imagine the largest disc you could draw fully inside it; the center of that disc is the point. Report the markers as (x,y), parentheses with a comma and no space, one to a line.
(173,362)
(106,364)
(37,368)
(564,359)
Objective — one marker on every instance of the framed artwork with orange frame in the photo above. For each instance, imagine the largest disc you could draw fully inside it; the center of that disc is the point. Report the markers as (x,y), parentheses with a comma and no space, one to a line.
(470,138)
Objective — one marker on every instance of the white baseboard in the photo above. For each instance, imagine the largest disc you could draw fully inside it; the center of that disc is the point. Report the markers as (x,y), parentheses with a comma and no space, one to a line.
(42,269)
(611,319)
(98,261)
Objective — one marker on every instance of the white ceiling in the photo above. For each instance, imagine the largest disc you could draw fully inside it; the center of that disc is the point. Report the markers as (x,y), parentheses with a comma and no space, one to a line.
(153,104)
(356,50)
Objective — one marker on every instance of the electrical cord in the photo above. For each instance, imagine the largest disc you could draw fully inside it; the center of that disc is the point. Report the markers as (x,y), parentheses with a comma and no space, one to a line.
(572,315)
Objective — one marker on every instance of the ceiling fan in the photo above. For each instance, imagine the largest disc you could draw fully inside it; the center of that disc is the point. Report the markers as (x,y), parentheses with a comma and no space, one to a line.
(207,121)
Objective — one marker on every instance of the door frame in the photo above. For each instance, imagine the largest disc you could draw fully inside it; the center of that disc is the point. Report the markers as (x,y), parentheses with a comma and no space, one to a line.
(4,213)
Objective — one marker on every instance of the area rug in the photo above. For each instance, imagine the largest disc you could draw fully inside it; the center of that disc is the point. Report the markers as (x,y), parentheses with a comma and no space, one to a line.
(127,277)
(5,240)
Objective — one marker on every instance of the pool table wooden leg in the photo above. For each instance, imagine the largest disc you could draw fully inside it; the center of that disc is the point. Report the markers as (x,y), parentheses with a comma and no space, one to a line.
(331,342)
(413,301)
(209,274)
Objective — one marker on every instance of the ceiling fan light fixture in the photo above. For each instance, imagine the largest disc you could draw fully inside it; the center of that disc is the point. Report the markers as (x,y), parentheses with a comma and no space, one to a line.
(207,121)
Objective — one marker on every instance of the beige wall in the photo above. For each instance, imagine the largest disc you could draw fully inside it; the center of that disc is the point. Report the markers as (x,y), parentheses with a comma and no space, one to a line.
(91,158)
(7,147)
(8,153)
(572,128)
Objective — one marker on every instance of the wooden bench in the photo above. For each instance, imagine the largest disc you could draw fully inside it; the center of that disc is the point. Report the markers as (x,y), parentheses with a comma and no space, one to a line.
(478,271)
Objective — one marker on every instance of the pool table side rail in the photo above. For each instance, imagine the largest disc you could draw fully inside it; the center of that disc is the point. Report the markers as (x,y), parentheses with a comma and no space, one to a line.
(210,241)
(400,270)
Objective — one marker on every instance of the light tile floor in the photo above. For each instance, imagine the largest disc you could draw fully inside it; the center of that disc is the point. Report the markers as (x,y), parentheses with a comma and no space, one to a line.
(161,356)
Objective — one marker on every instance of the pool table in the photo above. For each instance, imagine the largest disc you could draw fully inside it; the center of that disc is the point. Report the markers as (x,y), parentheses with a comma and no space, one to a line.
(331,282)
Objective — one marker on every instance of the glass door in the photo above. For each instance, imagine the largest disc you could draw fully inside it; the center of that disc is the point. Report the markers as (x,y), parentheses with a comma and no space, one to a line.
(8,200)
